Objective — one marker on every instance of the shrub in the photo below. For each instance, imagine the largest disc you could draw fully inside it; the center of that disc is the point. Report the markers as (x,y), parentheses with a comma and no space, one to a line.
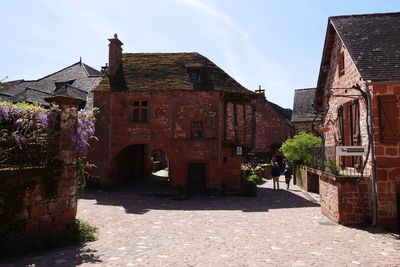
(301,149)
(332,167)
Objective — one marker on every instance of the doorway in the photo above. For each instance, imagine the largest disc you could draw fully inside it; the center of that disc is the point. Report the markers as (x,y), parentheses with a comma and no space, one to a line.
(196,178)
(129,166)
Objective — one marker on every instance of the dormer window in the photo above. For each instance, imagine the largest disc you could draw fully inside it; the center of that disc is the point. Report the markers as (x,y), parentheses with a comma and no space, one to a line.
(62,84)
(200,76)
(195,76)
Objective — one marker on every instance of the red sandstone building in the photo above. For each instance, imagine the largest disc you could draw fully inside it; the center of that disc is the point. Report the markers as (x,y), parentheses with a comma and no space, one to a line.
(175,107)
(273,127)
(358,95)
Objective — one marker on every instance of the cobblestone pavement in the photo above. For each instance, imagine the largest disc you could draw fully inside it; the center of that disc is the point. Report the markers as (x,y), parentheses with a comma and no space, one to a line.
(277,228)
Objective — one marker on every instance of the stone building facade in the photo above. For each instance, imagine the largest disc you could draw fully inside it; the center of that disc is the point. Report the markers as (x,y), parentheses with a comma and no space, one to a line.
(179,106)
(358,97)
(273,127)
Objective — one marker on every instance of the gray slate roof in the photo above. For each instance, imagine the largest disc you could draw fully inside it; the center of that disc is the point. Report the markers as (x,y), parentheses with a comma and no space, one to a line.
(303,110)
(76,80)
(284,112)
(373,41)
(32,96)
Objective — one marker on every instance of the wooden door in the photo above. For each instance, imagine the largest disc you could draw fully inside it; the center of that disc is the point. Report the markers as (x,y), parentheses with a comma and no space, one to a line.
(196,179)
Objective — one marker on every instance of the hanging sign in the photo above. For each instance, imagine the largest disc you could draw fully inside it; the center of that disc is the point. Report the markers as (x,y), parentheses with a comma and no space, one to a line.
(239,150)
(350,151)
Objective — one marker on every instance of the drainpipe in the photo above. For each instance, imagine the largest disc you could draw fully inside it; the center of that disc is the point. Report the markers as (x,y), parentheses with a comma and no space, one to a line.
(372,146)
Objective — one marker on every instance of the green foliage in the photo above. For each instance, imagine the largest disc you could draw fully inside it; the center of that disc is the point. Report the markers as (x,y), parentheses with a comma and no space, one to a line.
(252,178)
(80,169)
(301,149)
(331,165)
(14,244)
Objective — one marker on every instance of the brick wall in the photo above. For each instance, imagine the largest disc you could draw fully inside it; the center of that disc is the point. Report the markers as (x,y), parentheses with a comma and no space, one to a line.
(170,118)
(387,162)
(45,199)
(271,127)
(344,199)
(39,200)
(387,155)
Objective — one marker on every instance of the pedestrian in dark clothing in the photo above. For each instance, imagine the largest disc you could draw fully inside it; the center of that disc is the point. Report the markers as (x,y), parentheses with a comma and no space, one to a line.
(288,175)
(275,173)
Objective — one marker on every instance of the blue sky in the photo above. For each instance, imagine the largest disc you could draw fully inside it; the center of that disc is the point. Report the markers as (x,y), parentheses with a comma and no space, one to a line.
(275,44)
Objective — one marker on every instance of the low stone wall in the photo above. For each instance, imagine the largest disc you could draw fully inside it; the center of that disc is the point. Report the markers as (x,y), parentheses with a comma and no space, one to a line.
(345,199)
(308,179)
(38,200)
(41,199)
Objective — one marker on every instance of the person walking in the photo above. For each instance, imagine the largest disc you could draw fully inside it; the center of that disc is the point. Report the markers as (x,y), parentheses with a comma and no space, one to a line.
(288,175)
(275,173)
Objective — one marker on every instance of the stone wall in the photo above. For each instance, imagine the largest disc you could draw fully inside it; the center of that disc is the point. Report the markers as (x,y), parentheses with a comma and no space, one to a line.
(36,200)
(308,179)
(345,199)
(226,124)
(39,199)
(271,127)
(387,162)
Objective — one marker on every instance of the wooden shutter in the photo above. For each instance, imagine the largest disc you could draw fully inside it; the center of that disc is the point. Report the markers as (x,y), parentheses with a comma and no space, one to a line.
(355,131)
(340,126)
(388,121)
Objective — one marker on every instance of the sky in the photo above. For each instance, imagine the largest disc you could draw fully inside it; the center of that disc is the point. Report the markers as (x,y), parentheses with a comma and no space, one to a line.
(275,44)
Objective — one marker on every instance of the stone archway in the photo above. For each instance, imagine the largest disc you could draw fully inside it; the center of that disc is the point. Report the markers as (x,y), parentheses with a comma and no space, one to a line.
(159,159)
(129,164)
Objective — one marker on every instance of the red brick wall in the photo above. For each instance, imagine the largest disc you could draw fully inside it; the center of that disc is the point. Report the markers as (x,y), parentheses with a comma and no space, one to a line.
(344,200)
(171,114)
(387,155)
(387,162)
(45,199)
(271,127)
(40,205)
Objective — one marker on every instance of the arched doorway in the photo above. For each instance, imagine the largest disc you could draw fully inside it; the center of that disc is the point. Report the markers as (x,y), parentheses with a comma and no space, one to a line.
(160,160)
(129,166)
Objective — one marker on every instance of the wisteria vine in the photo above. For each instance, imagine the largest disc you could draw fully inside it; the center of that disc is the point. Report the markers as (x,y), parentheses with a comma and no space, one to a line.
(22,124)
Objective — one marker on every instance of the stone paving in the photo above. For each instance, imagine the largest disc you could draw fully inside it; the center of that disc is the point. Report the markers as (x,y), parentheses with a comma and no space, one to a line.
(277,228)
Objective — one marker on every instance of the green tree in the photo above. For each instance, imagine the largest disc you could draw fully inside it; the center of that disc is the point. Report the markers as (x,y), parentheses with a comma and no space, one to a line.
(301,149)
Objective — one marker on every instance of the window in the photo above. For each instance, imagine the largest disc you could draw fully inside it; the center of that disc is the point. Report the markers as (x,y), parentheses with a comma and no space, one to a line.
(197,129)
(194,76)
(140,109)
(348,131)
(388,120)
(341,63)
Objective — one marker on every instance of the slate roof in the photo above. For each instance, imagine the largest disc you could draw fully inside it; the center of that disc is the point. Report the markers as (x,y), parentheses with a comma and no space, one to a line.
(69,90)
(78,79)
(284,112)
(373,42)
(169,71)
(303,110)
(32,96)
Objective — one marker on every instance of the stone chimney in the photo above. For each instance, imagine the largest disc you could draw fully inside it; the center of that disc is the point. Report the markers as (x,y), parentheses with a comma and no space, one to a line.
(114,55)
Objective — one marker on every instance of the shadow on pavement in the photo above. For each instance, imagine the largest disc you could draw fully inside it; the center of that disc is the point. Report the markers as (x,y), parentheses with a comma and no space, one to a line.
(67,256)
(158,195)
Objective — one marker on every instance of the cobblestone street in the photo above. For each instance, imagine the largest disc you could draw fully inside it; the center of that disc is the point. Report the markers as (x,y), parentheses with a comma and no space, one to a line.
(277,228)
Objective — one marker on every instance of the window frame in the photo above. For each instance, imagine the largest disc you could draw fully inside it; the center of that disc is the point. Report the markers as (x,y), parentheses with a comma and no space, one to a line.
(140,111)
(196,129)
